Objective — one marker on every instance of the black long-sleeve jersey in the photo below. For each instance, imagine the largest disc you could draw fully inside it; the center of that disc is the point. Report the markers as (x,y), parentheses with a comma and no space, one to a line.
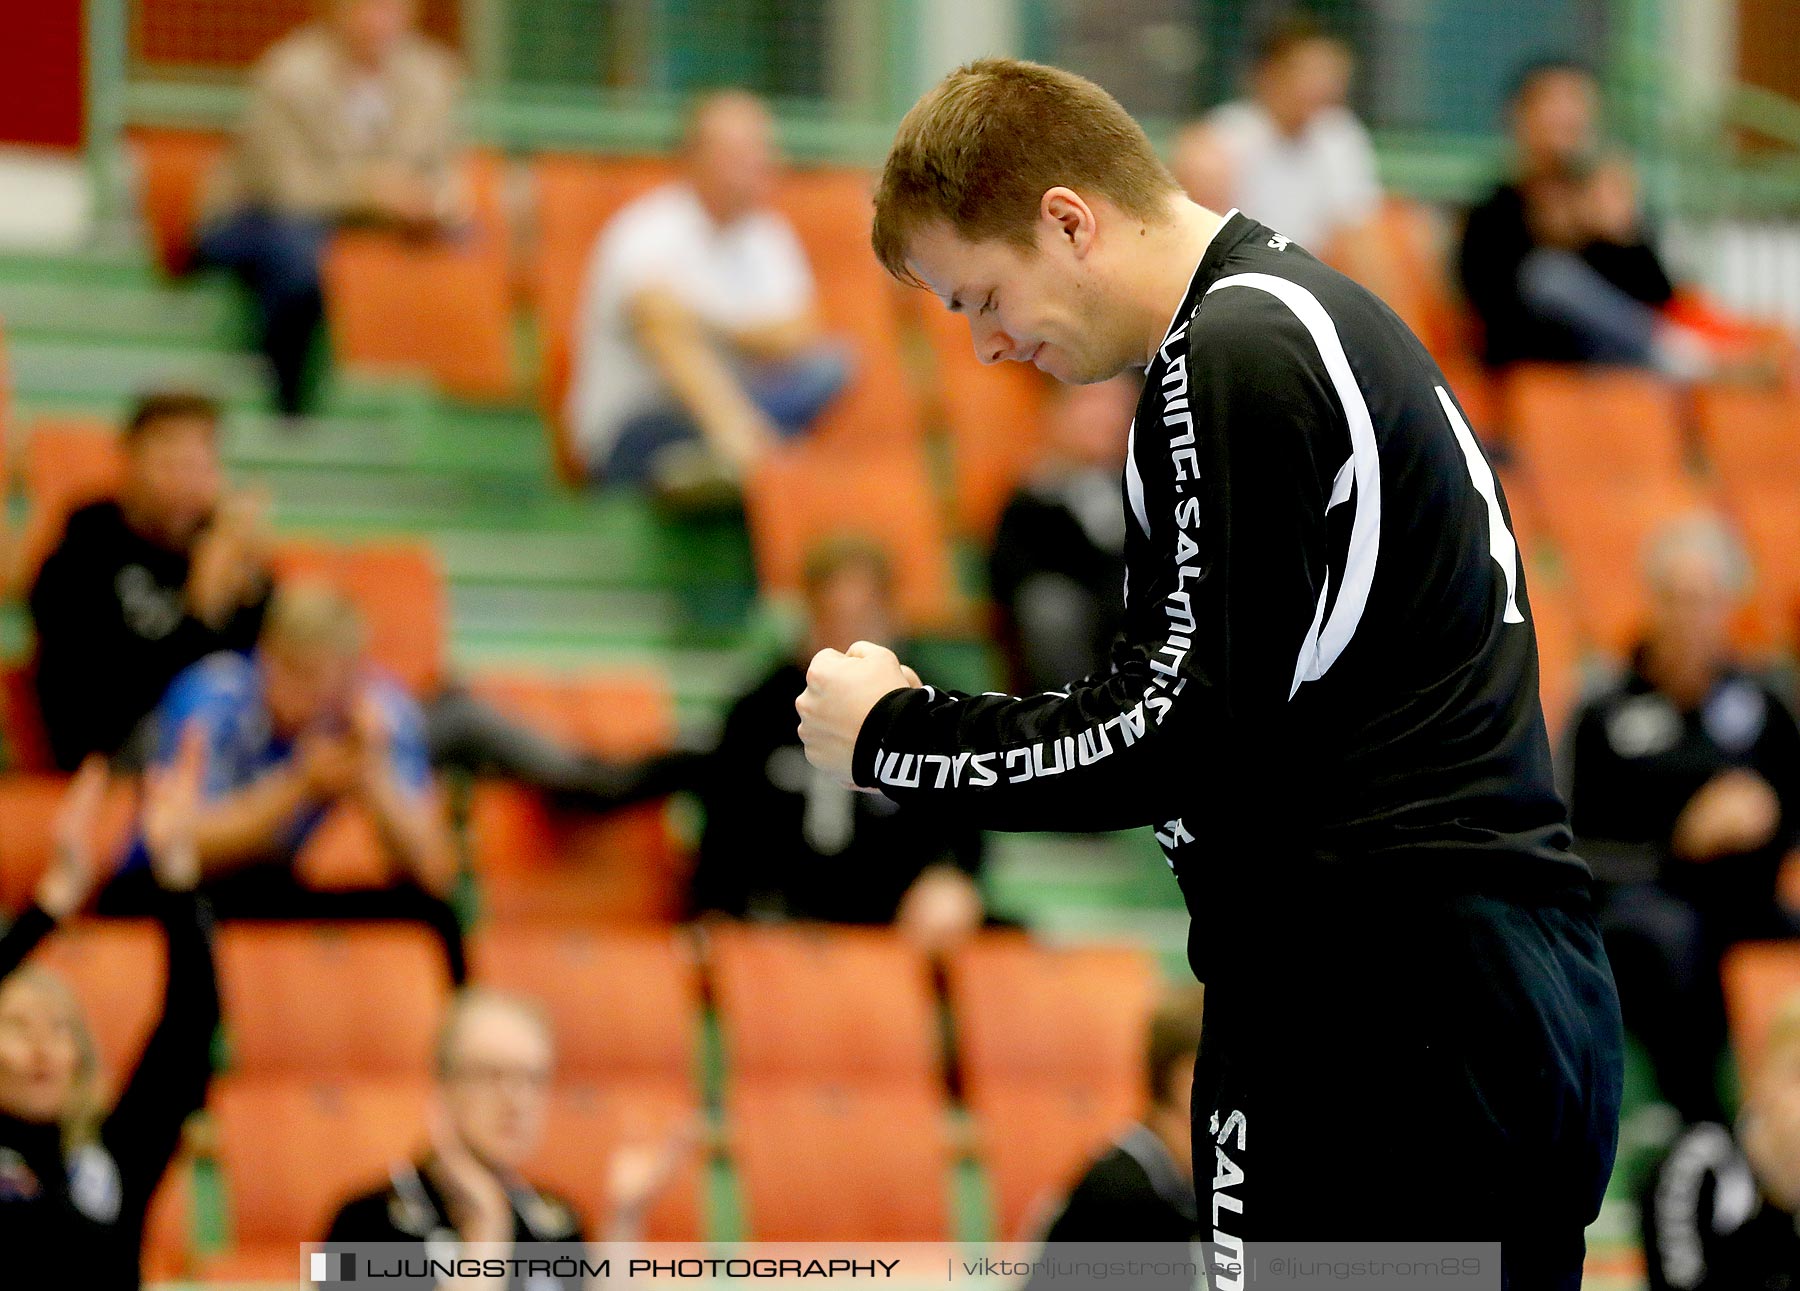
(1328,659)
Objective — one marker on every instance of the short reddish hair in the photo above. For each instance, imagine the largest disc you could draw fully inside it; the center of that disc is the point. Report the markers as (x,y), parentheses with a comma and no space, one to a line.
(981,148)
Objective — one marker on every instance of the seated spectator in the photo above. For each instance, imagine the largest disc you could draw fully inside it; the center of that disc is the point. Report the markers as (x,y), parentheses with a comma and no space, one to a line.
(351,119)
(1557,262)
(495,1062)
(143,586)
(1297,157)
(1685,798)
(784,841)
(697,346)
(298,728)
(177,568)
(1142,1188)
(76,1177)
(1202,164)
(1057,570)
(1722,1213)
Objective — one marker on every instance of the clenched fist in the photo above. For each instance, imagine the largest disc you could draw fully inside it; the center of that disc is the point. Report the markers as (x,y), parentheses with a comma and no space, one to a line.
(841,688)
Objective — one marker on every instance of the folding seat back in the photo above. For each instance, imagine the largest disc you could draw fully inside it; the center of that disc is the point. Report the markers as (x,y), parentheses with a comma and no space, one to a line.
(351,999)
(624,1004)
(845,1005)
(841,1163)
(1028,1014)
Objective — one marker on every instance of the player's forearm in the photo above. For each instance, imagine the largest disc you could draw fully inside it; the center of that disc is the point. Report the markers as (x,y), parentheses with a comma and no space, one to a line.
(1088,760)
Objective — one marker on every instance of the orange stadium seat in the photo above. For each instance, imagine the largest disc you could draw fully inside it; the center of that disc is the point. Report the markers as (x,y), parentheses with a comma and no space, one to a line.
(816,490)
(398,587)
(1752,437)
(309,999)
(842,1163)
(68,463)
(1557,620)
(1761,979)
(622,713)
(168,1226)
(547,867)
(1581,428)
(832,211)
(117,968)
(993,415)
(292,1151)
(28,805)
(576,196)
(442,307)
(174,168)
(624,1004)
(1603,451)
(820,1004)
(589,1122)
(1036,1142)
(1770,523)
(538,864)
(1064,1017)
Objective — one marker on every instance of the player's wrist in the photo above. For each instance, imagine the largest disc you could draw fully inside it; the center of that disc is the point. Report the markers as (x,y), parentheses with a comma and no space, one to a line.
(874,732)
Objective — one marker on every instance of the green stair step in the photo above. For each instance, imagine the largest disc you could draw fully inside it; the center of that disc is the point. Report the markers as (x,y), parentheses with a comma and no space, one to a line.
(612,553)
(651,618)
(99,266)
(57,310)
(108,375)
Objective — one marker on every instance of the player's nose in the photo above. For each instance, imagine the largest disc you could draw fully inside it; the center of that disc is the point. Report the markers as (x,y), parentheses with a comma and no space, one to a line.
(992,345)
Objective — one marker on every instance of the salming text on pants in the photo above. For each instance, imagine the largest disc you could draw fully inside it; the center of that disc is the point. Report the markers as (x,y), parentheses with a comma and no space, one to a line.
(1433,1067)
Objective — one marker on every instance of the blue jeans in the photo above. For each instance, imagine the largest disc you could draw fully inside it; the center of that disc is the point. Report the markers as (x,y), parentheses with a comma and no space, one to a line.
(1609,325)
(790,394)
(277,258)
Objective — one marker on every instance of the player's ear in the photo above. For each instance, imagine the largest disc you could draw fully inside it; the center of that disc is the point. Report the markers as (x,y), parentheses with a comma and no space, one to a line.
(1067,218)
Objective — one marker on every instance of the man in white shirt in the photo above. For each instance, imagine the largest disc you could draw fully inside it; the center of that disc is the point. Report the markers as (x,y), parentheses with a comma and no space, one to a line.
(1300,160)
(698,346)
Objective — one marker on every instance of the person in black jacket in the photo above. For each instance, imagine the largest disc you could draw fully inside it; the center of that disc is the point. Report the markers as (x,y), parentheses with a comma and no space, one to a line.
(1057,570)
(1722,1211)
(1142,1188)
(495,1063)
(1685,795)
(1556,262)
(1324,703)
(782,841)
(143,586)
(77,1178)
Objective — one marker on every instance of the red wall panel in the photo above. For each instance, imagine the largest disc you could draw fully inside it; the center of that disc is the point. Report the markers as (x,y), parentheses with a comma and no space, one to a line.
(40,74)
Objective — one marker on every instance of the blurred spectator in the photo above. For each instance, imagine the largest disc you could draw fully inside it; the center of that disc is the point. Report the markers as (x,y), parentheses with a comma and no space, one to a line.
(1297,157)
(1142,1188)
(495,1062)
(784,841)
(1057,570)
(141,587)
(1723,1211)
(1685,797)
(76,1177)
(1202,164)
(177,568)
(294,730)
(351,120)
(1557,262)
(697,346)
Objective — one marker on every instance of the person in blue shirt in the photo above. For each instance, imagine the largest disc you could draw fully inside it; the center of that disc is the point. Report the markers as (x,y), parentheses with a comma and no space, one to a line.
(294,730)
